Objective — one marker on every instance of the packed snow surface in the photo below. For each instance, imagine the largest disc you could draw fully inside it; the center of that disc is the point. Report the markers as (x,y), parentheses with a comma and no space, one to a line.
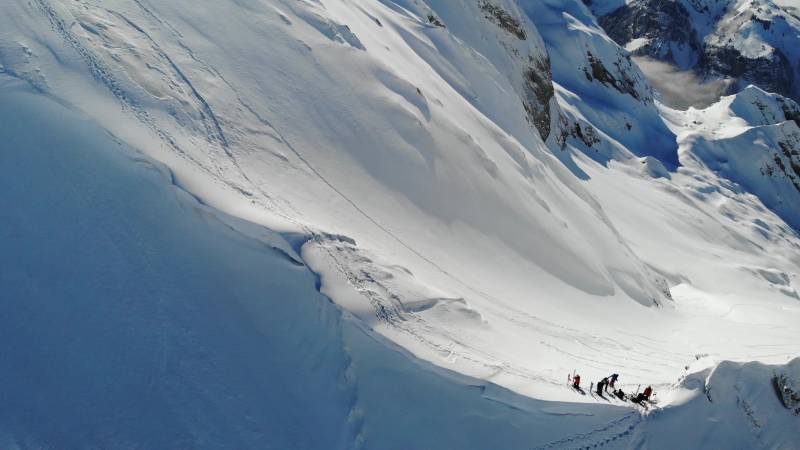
(187,186)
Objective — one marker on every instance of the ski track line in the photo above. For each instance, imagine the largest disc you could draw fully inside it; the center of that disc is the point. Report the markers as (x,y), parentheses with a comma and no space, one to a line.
(216,129)
(612,432)
(551,329)
(104,76)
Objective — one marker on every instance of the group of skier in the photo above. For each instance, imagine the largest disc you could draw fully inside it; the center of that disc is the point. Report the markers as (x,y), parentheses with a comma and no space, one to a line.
(608,383)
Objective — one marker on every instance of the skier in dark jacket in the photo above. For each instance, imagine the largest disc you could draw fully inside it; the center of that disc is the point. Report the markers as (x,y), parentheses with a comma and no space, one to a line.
(600,385)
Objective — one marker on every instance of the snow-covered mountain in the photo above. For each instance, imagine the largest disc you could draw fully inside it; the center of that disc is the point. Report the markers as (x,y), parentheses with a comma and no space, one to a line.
(752,42)
(753,139)
(384,224)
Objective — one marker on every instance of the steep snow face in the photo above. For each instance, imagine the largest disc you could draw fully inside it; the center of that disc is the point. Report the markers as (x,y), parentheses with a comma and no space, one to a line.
(141,318)
(364,119)
(403,147)
(514,49)
(134,316)
(750,41)
(607,104)
(398,125)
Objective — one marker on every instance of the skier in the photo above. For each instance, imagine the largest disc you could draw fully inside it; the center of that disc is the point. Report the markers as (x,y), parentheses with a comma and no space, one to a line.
(576,381)
(620,395)
(600,385)
(644,395)
(611,381)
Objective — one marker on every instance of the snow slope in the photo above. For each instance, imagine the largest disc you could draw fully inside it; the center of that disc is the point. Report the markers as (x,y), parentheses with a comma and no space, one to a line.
(730,406)
(134,317)
(607,102)
(396,148)
(751,138)
(145,319)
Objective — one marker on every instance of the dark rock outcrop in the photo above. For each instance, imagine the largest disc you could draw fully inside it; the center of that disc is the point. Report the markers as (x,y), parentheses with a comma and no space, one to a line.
(623,83)
(503,19)
(672,31)
(666,25)
(538,90)
(772,73)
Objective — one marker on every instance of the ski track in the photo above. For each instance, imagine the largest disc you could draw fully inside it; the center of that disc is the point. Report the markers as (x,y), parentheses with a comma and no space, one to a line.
(214,130)
(615,432)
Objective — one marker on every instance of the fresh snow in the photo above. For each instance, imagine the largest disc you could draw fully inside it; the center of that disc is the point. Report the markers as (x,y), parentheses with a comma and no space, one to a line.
(359,152)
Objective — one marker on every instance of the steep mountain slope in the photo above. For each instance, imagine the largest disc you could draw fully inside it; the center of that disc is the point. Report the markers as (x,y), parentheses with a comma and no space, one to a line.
(134,316)
(753,42)
(176,330)
(607,104)
(752,139)
(489,184)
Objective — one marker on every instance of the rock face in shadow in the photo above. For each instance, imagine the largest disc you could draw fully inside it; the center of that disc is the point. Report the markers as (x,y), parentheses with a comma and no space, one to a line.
(750,42)
(773,73)
(624,83)
(538,91)
(537,76)
(665,24)
(504,19)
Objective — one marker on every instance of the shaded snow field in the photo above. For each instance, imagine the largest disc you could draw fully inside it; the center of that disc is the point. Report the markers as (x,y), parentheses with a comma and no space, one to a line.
(344,146)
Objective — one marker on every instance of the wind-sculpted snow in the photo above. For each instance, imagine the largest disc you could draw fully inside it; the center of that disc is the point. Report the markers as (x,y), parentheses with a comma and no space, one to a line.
(489,186)
(751,138)
(733,405)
